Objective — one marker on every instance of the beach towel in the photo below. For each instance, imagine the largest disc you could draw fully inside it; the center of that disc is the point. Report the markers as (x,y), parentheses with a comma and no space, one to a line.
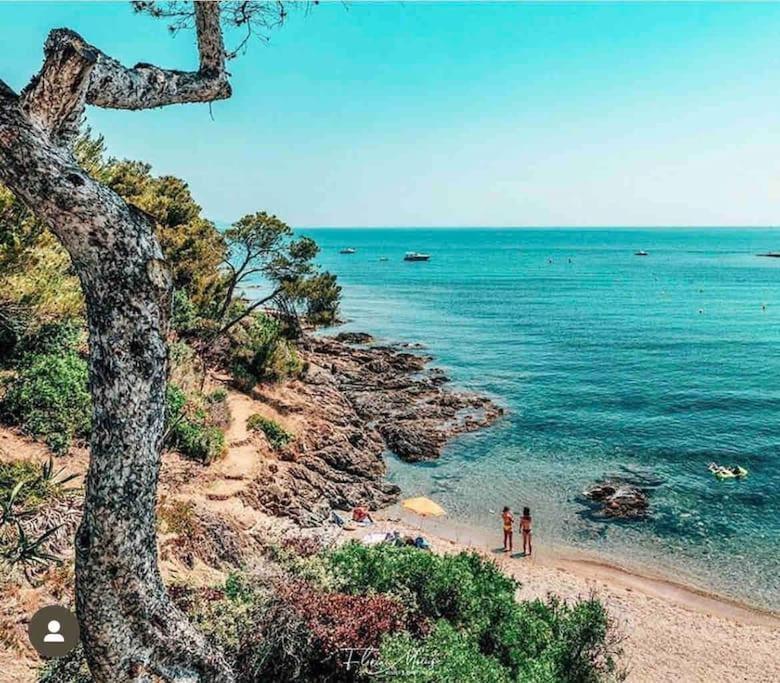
(373,539)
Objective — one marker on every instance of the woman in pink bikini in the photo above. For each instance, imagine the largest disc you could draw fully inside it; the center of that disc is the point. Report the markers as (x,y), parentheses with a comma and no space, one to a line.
(525,529)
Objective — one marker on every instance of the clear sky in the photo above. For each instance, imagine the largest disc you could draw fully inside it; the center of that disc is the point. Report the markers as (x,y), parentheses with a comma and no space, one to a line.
(412,114)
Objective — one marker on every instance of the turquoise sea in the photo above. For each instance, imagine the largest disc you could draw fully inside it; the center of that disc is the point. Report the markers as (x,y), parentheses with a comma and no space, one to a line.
(606,362)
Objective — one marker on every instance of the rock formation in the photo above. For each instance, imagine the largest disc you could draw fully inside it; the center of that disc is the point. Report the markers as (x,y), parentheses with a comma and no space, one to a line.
(353,405)
(619,499)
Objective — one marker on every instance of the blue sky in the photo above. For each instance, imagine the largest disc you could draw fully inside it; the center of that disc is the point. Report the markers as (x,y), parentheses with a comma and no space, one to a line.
(412,114)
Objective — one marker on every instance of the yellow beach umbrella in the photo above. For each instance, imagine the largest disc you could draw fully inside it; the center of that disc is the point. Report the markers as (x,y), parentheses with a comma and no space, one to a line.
(423,506)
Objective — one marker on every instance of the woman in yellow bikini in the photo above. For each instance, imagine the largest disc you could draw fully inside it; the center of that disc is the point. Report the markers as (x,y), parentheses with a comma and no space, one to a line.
(506,515)
(525,528)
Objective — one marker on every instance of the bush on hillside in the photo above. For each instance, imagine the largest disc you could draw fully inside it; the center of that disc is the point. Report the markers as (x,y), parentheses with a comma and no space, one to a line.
(447,654)
(415,616)
(184,316)
(277,435)
(464,588)
(188,429)
(49,399)
(260,352)
(530,641)
(199,442)
(51,339)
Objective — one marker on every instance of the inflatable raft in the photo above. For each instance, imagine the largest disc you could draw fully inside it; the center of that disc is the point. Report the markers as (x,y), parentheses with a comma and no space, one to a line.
(721,472)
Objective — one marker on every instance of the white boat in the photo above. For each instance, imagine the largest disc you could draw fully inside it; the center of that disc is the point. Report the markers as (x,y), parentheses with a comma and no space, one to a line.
(416,256)
(348,250)
(640,253)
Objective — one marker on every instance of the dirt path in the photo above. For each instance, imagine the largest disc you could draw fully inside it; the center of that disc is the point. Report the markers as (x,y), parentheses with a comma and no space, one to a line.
(233,472)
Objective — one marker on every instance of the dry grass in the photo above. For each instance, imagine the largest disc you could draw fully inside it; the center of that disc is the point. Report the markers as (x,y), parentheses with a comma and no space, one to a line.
(198,533)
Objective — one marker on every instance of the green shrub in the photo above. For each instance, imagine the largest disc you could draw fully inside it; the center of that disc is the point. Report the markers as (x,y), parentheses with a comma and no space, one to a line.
(447,654)
(464,588)
(200,442)
(175,400)
(578,643)
(217,396)
(243,379)
(277,435)
(49,399)
(51,339)
(184,316)
(188,430)
(238,588)
(261,352)
(531,641)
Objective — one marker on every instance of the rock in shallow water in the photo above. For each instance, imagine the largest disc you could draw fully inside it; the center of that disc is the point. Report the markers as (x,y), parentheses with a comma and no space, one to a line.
(354,337)
(619,499)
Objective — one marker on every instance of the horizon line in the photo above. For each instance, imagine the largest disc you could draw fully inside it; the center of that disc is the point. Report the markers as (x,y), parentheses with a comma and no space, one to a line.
(536,227)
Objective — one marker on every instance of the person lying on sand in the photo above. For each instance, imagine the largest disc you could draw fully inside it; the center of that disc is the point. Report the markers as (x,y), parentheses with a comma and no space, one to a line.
(525,528)
(509,521)
(361,515)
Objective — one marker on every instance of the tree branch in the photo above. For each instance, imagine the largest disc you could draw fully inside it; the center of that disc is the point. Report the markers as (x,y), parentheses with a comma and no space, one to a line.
(247,311)
(210,45)
(146,86)
(75,73)
(54,98)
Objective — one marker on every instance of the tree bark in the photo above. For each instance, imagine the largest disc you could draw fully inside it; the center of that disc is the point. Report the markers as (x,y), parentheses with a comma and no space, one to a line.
(130,628)
(131,631)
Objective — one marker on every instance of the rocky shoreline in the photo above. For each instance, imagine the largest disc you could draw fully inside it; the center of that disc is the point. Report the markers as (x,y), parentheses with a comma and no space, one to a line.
(355,402)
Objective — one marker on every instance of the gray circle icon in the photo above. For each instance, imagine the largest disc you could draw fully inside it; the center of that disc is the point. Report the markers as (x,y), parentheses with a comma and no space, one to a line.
(53,631)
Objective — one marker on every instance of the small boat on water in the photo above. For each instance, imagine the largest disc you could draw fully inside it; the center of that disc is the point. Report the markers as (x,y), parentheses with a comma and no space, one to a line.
(641,252)
(771,254)
(416,256)
(348,250)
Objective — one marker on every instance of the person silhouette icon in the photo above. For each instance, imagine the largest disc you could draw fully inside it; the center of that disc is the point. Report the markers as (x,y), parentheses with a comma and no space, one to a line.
(53,631)
(54,635)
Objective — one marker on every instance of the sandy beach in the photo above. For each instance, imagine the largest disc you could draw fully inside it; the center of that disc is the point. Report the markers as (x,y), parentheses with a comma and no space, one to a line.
(672,632)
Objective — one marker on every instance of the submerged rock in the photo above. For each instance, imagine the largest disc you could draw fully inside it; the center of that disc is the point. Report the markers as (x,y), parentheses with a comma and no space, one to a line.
(619,499)
(354,337)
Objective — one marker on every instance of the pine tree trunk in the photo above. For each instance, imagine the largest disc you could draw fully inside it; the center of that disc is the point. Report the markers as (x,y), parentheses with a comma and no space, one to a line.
(130,628)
